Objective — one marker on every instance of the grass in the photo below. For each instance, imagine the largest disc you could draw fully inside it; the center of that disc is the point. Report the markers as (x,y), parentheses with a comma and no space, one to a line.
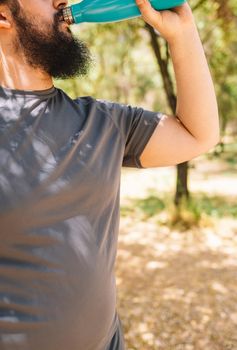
(199,210)
(146,207)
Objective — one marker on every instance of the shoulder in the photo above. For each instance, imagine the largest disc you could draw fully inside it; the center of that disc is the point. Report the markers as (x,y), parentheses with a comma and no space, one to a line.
(90,101)
(100,104)
(101,108)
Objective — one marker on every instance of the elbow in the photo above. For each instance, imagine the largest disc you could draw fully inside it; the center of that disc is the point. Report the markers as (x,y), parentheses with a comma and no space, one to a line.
(212,141)
(214,136)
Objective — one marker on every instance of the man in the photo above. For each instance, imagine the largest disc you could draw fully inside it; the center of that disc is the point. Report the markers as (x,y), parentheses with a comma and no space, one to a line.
(60,173)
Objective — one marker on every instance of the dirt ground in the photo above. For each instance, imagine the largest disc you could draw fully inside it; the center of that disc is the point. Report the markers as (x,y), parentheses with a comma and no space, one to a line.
(178,290)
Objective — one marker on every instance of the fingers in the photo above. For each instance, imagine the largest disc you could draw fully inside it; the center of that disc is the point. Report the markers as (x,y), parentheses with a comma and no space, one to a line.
(149,14)
(180,10)
(184,11)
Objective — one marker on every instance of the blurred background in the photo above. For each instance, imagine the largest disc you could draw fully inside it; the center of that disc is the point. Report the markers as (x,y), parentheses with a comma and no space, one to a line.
(177,255)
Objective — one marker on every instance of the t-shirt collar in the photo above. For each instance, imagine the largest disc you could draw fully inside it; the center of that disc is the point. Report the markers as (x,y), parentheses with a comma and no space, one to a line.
(34,93)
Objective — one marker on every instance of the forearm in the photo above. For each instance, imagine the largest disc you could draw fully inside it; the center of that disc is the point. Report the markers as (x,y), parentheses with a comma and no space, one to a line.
(196,101)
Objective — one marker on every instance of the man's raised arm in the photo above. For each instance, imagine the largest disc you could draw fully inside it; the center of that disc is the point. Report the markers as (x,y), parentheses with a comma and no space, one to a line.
(195,128)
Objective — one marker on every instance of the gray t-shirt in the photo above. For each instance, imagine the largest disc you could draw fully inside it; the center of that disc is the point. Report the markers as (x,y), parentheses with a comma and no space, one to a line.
(60,162)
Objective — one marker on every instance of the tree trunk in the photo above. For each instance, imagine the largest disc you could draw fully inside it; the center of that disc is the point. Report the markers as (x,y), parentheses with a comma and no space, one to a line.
(182,169)
(182,183)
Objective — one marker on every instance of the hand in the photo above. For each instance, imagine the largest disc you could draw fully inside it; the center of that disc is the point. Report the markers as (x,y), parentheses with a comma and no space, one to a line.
(169,23)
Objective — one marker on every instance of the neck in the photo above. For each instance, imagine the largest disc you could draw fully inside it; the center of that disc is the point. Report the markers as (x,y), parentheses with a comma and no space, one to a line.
(15,73)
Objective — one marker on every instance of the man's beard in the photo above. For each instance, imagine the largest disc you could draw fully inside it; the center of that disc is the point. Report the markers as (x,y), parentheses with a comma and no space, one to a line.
(57,53)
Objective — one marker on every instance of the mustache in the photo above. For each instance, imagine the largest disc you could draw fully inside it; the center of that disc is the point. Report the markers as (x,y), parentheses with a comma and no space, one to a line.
(58,17)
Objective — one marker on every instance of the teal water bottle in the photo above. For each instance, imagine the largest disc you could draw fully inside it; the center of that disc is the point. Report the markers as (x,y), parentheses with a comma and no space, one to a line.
(110,10)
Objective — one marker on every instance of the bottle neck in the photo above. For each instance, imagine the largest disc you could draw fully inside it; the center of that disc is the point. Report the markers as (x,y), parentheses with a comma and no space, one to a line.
(67,15)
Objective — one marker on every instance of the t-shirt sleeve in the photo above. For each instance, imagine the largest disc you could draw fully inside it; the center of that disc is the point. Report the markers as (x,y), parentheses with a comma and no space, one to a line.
(136,126)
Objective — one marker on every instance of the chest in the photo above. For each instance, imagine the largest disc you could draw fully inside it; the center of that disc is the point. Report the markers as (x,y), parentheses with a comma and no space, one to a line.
(76,164)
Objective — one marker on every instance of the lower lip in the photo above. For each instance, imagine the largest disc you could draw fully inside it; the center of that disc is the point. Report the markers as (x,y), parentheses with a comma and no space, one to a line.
(65,25)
